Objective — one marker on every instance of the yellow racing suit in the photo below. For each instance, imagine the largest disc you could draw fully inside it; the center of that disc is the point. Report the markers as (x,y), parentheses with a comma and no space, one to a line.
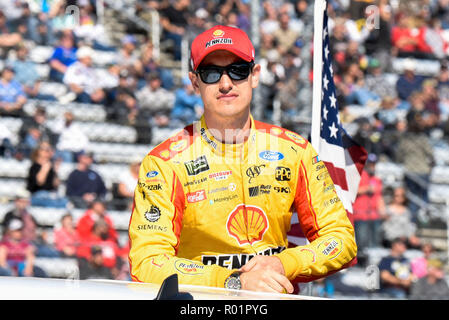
(202,208)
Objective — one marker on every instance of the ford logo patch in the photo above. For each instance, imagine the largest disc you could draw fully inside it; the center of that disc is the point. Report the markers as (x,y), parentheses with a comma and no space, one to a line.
(271,155)
(152,174)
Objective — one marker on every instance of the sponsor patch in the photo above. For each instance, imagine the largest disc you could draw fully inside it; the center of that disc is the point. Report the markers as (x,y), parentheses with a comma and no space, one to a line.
(295,137)
(282,174)
(269,155)
(236,261)
(258,190)
(254,171)
(197,166)
(178,146)
(153,214)
(247,224)
(222,175)
(189,267)
(315,160)
(196,196)
(214,42)
(330,247)
(152,174)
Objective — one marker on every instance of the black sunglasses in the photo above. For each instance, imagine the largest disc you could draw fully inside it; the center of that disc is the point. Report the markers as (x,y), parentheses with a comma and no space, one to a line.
(236,71)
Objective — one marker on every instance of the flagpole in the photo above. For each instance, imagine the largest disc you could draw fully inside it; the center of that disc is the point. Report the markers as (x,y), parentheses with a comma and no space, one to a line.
(320,6)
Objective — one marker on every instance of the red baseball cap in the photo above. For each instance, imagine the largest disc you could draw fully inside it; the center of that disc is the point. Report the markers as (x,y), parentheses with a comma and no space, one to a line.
(221,38)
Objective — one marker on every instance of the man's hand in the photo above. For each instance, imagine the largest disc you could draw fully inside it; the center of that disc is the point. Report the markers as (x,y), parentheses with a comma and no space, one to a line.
(265,273)
(264,262)
(266,280)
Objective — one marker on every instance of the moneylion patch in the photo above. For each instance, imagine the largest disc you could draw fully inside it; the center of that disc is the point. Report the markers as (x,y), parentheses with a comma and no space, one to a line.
(189,267)
(330,247)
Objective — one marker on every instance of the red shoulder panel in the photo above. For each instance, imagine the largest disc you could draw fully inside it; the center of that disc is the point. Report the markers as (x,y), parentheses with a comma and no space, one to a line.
(175,144)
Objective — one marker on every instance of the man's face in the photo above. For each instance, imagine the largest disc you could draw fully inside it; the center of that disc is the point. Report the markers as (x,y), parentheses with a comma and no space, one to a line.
(227,98)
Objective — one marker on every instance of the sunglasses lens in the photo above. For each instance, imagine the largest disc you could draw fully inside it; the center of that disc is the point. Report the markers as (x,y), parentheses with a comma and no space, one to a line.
(238,71)
(210,75)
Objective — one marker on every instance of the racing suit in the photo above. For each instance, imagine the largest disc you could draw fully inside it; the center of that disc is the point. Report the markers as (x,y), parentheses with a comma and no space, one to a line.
(202,208)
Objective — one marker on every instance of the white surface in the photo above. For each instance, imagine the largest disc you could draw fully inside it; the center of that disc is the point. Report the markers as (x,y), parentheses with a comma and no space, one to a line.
(13,288)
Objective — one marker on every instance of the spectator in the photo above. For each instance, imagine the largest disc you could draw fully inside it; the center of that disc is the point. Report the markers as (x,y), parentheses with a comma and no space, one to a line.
(100,237)
(408,82)
(270,22)
(8,39)
(71,140)
(154,100)
(124,108)
(34,130)
(388,114)
(127,184)
(404,37)
(21,212)
(95,212)
(16,254)
(431,102)
(63,56)
(12,96)
(27,75)
(82,79)
(415,153)
(188,106)
(285,35)
(42,180)
(94,267)
(150,65)
(378,43)
(419,264)
(174,21)
(369,207)
(395,273)
(398,221)
(128,57)
(66,238)
(84,184)
(432,286)
(376,80)
(443,90)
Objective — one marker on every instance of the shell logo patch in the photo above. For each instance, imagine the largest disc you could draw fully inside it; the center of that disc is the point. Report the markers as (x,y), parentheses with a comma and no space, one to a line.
(218,33)
(247,224)
(189,267)
(330,247)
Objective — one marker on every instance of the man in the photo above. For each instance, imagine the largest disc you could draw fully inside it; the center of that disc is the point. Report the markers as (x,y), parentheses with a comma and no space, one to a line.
(62,57)
(223,191)
(12,96)
(82,78)
(395,272)
(84,185)
(369,207)
(155,101)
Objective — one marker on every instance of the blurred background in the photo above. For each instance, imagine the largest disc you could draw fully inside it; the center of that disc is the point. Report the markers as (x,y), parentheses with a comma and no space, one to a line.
(88,87)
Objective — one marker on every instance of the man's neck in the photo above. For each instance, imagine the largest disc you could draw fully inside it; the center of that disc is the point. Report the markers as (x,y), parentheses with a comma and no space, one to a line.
(229,130)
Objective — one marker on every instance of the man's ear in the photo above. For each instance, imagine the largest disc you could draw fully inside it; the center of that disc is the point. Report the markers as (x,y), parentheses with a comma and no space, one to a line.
(255,75)
(194,79)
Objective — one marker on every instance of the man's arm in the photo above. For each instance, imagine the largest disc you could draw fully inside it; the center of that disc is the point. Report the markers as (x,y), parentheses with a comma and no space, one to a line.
(323,220)
(155,228)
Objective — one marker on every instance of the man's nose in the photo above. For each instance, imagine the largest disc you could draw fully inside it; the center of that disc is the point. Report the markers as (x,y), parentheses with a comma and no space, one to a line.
(225,83)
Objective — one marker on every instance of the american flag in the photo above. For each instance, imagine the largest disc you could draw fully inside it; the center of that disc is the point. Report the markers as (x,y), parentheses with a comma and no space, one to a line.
(344,158)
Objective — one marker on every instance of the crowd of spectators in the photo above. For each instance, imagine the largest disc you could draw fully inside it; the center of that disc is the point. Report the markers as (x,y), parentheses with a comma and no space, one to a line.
(139,91)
